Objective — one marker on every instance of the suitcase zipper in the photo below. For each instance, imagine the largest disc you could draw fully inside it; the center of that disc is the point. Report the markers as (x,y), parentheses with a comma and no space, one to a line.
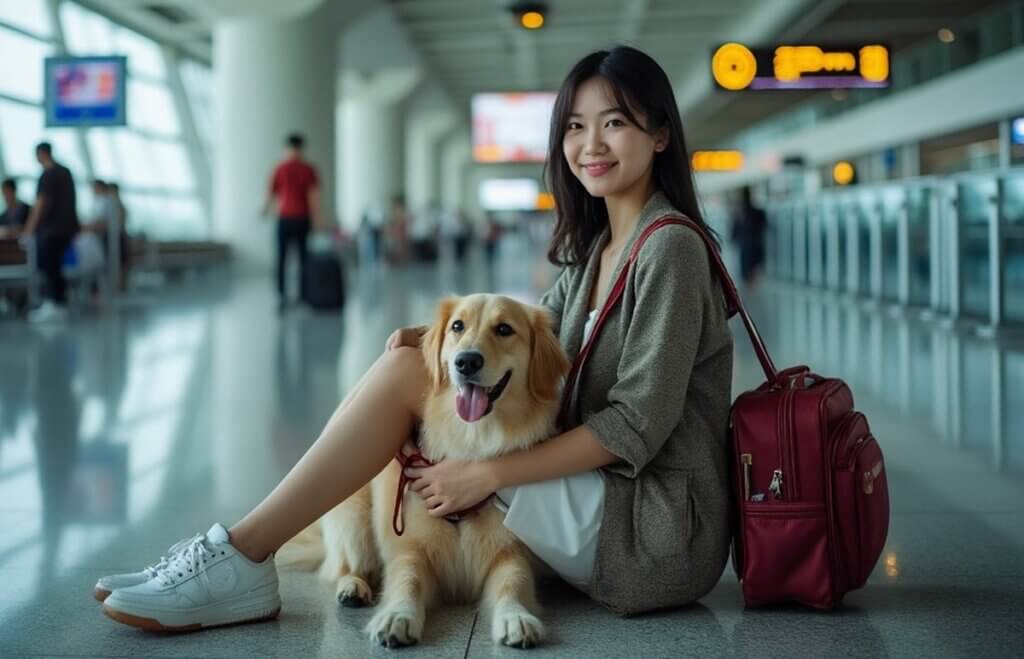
(747,460)
(775,487)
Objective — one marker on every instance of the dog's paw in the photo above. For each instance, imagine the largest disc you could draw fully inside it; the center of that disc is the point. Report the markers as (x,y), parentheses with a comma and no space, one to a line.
(517,628)
(396,626)
(354,592)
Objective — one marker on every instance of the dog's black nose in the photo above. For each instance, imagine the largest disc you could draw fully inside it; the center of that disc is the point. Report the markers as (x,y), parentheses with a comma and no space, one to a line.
(469,362)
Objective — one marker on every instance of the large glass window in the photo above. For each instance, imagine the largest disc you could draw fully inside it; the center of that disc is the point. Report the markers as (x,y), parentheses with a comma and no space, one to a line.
(198,85)
(148,157)
(21,128)
(28,15)
(151,108)
(17,77)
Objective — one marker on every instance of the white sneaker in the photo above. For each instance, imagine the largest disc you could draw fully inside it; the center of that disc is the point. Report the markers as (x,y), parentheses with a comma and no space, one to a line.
(47,312)
(108,584)
(207,583)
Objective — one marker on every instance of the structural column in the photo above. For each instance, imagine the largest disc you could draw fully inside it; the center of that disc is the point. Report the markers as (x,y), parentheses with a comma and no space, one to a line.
(272,76)
(370,141)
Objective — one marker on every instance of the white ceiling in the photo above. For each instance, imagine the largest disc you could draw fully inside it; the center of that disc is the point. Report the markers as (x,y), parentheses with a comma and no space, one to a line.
(476,45)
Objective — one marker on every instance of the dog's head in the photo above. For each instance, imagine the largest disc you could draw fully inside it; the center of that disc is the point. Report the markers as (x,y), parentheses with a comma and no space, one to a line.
(490,348)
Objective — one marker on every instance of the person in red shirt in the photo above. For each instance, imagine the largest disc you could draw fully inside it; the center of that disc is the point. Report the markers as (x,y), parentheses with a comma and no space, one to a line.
(295,186)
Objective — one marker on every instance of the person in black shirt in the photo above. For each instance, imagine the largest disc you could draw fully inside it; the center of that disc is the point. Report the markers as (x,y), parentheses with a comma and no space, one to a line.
(53,222)
(15,211)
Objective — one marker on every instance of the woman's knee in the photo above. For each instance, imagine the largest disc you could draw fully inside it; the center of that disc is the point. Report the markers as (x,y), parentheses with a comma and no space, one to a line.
(403,367)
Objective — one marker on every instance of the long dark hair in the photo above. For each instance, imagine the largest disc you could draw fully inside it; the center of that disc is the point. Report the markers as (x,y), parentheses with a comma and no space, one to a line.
(638,84)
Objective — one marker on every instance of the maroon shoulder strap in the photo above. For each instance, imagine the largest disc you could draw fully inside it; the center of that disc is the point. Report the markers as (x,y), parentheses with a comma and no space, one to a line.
(733,303)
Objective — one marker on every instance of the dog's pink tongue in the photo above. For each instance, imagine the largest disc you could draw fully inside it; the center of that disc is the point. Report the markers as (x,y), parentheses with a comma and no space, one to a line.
(471,402)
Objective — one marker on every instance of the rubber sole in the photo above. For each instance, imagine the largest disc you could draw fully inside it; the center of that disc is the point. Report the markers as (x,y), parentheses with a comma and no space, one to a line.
(153,625)
(100,594)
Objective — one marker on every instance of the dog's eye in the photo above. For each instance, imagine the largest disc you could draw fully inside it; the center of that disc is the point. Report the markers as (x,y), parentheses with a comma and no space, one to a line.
(504,329)
(457,326)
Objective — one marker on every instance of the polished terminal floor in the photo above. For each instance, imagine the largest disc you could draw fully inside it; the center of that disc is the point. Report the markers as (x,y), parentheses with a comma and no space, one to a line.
(124,431)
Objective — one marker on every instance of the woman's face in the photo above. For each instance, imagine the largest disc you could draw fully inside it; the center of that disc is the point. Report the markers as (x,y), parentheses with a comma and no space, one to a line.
(609,155)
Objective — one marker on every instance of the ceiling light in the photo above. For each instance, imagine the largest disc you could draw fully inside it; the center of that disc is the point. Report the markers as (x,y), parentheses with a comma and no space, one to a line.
(946,35)
(532,20)
(531,15)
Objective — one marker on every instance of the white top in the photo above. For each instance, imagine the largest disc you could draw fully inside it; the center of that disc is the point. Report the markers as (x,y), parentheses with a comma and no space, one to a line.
(559,519)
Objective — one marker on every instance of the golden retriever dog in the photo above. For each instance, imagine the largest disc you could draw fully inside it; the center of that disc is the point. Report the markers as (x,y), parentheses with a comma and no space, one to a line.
(496,370)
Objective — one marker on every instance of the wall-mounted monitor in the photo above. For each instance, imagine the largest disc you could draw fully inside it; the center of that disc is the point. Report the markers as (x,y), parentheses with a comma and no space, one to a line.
(509,194)
(511,127)
(86,91)
(1017,130)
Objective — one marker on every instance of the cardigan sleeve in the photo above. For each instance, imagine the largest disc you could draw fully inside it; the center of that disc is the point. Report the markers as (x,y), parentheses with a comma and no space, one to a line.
(672,283)
(554,300)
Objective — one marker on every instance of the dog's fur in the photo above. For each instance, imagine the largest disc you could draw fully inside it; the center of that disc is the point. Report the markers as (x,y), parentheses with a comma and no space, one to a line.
(436,560)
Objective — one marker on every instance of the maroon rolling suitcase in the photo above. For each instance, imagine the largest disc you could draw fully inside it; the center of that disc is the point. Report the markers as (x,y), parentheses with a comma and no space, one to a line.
(812,497)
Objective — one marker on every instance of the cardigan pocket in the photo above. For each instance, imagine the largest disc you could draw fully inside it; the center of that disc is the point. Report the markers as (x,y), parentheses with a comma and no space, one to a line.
(665,521)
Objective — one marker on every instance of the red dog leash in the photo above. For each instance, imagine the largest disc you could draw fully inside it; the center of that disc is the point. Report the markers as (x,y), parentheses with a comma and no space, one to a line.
(416,460)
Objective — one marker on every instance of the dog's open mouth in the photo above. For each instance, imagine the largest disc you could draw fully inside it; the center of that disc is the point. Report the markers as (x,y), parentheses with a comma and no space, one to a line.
(473,402)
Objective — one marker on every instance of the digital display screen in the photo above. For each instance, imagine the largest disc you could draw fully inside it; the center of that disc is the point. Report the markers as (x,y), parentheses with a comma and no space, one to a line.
(1017,130)
(86,91)
(509,194)
(511,127)
(735,67)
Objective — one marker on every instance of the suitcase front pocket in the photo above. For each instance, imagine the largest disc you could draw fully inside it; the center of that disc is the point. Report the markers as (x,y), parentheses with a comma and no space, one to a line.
(786,554)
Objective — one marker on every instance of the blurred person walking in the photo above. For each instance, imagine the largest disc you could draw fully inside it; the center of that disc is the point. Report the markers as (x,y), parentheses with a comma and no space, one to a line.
(53,221)
(748,233)
(296,187)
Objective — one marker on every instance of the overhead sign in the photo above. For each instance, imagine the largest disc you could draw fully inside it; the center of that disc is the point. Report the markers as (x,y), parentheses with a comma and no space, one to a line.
(736,67)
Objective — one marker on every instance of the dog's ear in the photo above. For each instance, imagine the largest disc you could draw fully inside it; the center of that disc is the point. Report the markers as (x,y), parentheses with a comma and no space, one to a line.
(548,363)
(433,341)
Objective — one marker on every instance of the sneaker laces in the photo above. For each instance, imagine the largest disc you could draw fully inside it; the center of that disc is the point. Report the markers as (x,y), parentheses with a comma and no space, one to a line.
(173,551)
(185,562)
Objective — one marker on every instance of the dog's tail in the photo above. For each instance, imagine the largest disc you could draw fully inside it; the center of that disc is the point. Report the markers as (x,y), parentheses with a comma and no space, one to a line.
(303,552)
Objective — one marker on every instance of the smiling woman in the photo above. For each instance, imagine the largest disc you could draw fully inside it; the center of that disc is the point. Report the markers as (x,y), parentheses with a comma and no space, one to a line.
(629,500)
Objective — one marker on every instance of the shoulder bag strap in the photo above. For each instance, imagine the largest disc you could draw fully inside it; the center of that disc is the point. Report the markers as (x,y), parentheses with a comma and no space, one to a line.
(733,303)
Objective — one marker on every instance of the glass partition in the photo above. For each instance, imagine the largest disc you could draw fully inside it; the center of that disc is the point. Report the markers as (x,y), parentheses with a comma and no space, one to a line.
(975,209)
(891,206)
(842,238)
(919,209)
(1012,212)
(864,212)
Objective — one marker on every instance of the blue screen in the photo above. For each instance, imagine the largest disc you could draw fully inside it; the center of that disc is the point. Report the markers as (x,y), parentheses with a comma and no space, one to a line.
(85,91)
(1017,130)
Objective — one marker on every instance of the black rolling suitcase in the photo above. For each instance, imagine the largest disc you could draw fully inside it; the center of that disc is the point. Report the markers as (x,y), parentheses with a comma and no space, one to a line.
(323,282)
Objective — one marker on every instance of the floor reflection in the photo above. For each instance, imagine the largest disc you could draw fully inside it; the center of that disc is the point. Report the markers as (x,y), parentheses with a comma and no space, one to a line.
(124,432)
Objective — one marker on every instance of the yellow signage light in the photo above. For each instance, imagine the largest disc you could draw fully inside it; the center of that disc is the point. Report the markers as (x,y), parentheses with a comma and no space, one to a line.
(734,66)
(842,173)
(717,161)
(792,61)
(532,20)
(874,63)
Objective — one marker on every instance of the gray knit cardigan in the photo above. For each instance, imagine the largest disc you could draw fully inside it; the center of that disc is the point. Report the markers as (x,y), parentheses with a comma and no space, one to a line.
(656,390)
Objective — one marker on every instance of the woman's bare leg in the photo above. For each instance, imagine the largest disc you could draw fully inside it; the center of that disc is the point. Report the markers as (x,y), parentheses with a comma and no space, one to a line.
(362,436)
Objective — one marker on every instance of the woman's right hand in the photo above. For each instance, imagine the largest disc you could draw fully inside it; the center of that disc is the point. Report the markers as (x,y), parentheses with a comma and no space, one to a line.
(405,336)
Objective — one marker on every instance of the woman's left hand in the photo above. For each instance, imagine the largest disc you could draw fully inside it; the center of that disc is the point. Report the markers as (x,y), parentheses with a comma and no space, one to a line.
(452,486)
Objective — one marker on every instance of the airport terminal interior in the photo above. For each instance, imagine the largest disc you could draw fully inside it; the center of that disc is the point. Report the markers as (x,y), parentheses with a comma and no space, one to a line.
(861,161)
